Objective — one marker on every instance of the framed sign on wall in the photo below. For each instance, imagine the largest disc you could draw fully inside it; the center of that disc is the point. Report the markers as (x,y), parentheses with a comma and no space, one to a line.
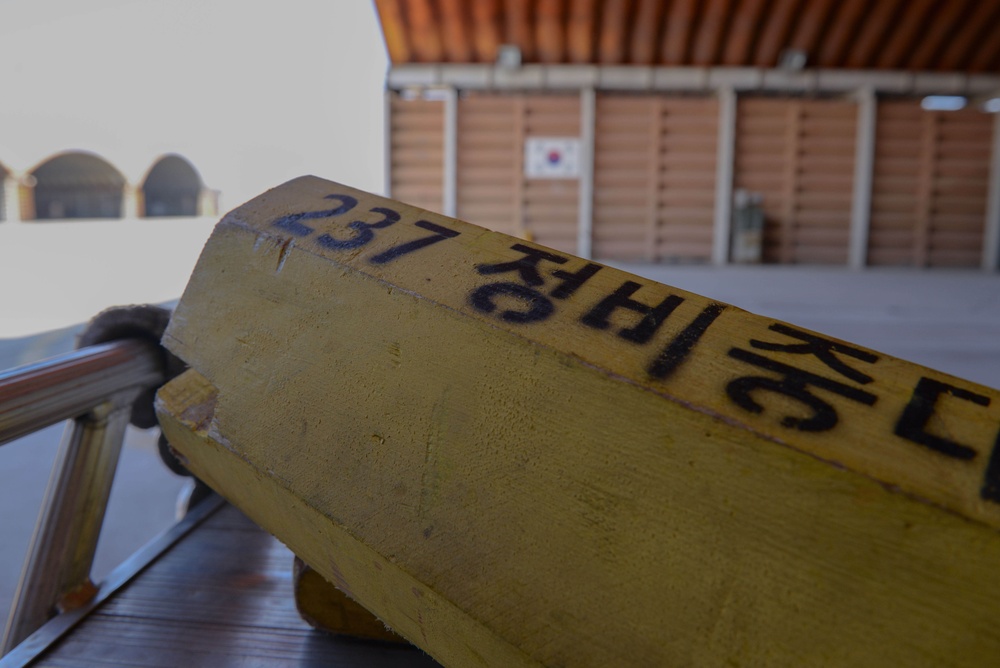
(552,157)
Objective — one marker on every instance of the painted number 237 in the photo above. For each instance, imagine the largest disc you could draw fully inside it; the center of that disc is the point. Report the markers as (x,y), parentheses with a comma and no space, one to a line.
(361,232)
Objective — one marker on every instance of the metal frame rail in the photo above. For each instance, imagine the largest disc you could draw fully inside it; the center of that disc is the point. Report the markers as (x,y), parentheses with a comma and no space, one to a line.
(96,388)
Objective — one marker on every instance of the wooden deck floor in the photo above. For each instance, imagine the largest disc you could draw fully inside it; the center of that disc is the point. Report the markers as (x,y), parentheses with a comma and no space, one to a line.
(222,596)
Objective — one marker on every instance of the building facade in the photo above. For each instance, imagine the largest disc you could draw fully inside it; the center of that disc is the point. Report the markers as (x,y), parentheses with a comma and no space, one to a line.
(82,184)
(839,121)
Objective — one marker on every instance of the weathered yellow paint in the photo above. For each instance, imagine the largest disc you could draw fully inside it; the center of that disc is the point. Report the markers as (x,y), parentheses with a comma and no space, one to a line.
(327,608)
(541,493)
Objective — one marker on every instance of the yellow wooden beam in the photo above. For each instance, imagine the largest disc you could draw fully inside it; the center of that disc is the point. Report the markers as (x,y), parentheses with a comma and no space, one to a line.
(514,456)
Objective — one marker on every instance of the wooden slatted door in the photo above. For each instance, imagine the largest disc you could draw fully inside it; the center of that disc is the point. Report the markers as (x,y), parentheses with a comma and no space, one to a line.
(492,189)
(550,206)
(930,186)
(416,151)
(489,162)
(689,129)
(654,178)
(799,154)
(624,167)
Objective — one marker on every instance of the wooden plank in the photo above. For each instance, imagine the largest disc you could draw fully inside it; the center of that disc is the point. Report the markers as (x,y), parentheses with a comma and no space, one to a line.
(940,29)
(549,205)
(970,35)
(424,31)
(645,32)
(681,19)
(843,31)
(486,29)
(549,31)
(614,32)
(812,22)
(556,103)
(687,186)
(486,158)
(415,114)
(819,255)
(925,188)
(871,34)
(743,30)
(416,151)
(486,151)
(893,257)
(622,177)
(907,31)
(699,200)
(793,114)
(963,258)
(621,249)
(517,27)
(508,458)
(774,34)
(220,597)
(688,227)
(711,29)
(457,30)
(393,30)
(415,173)
(580,31)
(406,155)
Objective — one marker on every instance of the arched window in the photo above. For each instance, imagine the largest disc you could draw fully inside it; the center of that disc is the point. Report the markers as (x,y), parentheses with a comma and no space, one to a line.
(172,188)
(77,185)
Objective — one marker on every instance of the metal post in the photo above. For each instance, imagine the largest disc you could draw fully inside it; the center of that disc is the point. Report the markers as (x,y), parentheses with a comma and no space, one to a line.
(585,208)
(864,162)
(725,157)
(100,385)
(56,573)
(37,395)
(991,230)
(450,189)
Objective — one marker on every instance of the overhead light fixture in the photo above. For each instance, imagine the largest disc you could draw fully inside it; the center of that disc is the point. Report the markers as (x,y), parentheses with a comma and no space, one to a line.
(943,103)
(992,105)
(793,60)
(509,56)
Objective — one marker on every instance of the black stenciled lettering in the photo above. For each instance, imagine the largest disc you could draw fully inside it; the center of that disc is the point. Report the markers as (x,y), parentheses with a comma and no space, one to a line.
(292,223)
(823,349)
(913,421)
(680,347)
(653,316)
(526,266)
(539,308)
(440,234)
(793,383)
(991,482)
(572,280)
(362,231)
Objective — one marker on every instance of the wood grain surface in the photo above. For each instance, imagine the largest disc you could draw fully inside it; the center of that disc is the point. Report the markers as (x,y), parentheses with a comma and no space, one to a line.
(221,597)
(514,456)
